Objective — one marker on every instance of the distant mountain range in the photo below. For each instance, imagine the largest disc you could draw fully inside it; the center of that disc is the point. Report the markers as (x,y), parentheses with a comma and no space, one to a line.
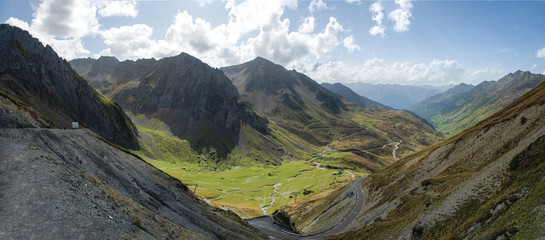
(298,104)
(286,110)
(351,96)
(484,183)
(393,95)
(464,105)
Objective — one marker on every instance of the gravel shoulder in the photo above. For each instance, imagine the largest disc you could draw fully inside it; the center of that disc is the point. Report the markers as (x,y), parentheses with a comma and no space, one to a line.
(72,184)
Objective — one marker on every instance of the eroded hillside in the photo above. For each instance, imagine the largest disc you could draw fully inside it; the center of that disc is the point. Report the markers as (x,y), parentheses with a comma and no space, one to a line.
(485,182)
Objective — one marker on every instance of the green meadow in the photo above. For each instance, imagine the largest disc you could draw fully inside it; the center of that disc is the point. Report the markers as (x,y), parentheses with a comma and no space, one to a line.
(245,190)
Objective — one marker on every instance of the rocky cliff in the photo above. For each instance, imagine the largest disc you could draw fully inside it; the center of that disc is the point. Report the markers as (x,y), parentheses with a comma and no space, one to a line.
(37,77)
(196,101)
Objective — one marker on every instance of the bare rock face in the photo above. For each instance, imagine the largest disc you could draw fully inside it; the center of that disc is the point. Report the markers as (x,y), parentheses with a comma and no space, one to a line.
(197,102)
(39,78)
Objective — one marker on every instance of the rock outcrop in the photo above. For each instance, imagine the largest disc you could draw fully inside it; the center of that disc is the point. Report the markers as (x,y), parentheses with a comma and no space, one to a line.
(197,102)
(36,76)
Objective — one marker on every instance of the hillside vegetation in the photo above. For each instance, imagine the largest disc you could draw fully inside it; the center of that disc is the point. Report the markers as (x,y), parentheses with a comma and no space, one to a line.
(465,105)
(484,183)
(233,142)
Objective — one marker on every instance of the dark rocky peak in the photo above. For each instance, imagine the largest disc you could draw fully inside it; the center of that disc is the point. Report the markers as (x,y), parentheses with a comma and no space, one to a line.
(108,59)
(198,102)
(37,76)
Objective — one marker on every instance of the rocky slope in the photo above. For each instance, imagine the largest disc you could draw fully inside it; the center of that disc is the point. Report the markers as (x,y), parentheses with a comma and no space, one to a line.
(442,102)
(300,105)
(34,76)
(483,183)
(351,96)
(197,103)
(72,184)
(464,105)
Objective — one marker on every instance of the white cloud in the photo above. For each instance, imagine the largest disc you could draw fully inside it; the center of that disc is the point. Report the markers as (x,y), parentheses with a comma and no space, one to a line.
(540,53)
(401,15)
(62,23)
(65,18)
(131,42)
(194,35)
(254,28)
(18,23)
(317,5)
(350,45)
(329,39)
(437,72)
(534,65)
(203,3)
(308,25)
(376,9)
(377,30)
(124,8)
(353,1)
(290,3)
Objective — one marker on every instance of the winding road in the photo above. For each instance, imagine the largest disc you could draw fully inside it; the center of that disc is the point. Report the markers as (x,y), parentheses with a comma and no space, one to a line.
(266,223)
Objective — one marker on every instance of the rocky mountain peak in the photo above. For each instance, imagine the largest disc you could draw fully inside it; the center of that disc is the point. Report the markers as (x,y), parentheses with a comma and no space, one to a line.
(38,77)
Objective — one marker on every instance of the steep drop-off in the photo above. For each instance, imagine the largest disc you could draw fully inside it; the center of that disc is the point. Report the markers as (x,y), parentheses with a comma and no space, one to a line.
(483,183)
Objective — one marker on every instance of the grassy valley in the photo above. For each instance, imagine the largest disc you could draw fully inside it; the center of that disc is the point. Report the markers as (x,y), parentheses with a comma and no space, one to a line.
(293,140)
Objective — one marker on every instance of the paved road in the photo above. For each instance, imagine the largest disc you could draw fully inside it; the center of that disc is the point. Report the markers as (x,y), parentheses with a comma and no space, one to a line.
(266,223)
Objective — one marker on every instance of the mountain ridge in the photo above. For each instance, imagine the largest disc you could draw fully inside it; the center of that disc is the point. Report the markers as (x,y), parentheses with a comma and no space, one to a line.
(480,183)
(36,76)
(351,96)
(463,106)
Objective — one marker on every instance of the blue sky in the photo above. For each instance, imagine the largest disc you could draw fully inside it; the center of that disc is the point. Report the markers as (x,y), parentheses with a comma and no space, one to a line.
(401,41)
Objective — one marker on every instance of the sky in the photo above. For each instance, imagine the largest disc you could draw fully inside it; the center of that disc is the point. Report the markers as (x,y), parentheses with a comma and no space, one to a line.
(390,42)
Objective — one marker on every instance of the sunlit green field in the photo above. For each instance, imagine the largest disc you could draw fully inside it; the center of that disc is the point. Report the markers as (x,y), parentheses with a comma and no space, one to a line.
(246,189)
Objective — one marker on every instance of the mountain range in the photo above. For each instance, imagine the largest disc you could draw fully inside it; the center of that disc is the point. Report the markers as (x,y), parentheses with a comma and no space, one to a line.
(83,183)
(395,95)
(464,105)
(484,183)
(264,105)
(351,96)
